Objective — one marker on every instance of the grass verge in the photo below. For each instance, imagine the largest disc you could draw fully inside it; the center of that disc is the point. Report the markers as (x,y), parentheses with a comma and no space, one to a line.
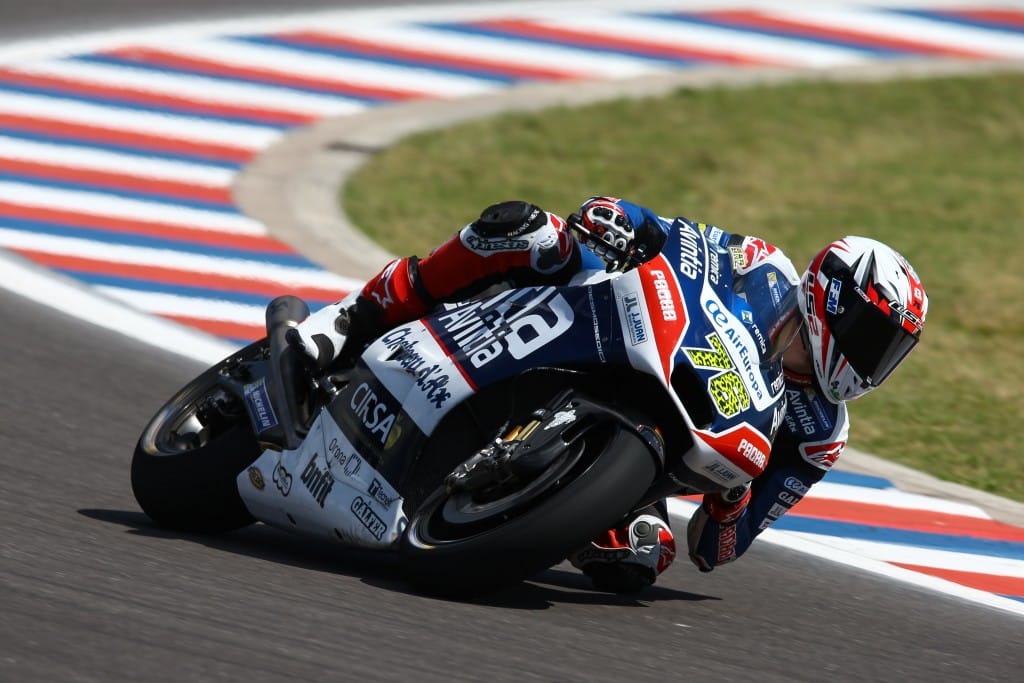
(933,167)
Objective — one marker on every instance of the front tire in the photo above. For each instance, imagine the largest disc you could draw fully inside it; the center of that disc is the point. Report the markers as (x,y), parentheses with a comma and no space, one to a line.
(448,551)
(188,457)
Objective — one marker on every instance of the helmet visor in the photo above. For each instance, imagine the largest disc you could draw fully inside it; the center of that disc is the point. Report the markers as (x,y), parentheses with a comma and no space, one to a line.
(873,342)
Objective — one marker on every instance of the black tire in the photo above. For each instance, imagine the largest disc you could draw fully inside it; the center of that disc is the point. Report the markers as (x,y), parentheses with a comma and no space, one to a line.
(590,499)
(188,484)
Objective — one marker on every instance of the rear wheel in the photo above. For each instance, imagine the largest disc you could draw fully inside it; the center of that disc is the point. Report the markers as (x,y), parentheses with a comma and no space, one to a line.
(188,457)
(476,541)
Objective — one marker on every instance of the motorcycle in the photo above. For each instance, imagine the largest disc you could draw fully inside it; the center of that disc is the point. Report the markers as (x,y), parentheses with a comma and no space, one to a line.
(488,440)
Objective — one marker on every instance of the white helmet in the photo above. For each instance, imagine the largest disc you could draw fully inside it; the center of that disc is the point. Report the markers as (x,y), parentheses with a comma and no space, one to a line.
(864,308)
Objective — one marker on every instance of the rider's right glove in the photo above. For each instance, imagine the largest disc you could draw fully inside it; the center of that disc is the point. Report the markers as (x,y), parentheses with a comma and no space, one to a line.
(724,509)
(629,557)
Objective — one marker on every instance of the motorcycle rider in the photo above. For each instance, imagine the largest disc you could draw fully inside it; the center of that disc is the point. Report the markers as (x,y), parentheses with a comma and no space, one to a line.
(841,330)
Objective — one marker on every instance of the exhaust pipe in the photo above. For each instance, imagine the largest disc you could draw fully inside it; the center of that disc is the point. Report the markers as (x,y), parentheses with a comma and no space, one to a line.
(286,369)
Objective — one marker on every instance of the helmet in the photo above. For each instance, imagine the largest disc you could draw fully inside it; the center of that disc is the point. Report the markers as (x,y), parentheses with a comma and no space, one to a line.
(863,308)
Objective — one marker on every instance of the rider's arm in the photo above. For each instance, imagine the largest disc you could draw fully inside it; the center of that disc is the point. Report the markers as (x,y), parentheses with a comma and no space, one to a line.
(808,444)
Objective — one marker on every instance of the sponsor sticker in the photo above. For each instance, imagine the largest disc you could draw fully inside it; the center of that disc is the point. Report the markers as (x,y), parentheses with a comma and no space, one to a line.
(260,408)
(788,498)
(727,543)
(796,486)
(726,388)
(562,417)
(720,471)
(381,493)
(369,519)
(256,478)
(317,481)
(634,319)
(822,455)
(832,302)
(283,479)
(373,412)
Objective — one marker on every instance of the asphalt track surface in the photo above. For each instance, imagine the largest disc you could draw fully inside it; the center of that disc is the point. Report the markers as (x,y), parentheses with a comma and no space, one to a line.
(91,591)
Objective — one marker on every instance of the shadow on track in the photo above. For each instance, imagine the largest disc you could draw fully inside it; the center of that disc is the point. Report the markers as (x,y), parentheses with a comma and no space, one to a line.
(386,570)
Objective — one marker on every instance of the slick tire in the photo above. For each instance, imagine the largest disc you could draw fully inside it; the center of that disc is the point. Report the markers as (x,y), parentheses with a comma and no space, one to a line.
(599,493)
(193,489)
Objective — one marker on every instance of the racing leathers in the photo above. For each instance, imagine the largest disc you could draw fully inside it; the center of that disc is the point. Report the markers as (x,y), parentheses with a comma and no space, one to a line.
(518,244)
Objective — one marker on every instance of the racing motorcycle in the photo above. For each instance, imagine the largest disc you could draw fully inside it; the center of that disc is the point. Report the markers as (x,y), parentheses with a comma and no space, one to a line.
(489,439)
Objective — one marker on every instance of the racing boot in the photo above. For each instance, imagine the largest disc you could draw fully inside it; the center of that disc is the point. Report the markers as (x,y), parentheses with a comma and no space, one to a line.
(322,336)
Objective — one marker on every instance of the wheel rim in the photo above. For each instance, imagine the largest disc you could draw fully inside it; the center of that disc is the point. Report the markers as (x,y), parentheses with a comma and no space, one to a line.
(451,518)
(191,420)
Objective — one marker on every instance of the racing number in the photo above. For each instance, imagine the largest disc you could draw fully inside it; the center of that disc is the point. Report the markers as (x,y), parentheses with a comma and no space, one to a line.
(726,387)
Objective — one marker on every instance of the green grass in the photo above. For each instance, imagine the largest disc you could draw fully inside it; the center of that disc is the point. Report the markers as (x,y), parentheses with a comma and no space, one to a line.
(934,167)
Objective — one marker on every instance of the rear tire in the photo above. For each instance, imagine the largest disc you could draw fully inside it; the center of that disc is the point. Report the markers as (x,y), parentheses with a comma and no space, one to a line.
(452,554)
(184,471)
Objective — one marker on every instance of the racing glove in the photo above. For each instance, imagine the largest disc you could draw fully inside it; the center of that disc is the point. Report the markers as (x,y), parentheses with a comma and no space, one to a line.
(630,557)
(724,509)
(604,225)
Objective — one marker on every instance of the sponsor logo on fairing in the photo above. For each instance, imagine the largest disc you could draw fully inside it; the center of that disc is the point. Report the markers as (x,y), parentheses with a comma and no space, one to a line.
(753,454)
(796,486)
(720,471)
(260,408)
(372,411)
(369,519)
(734,336)
(256,478)
(380,494)
(714,266)
(431,378)
(726,388)
(283,479)
(519,324)
(350,462)
(664,294)
(317,481)
(691,260)
(634,319)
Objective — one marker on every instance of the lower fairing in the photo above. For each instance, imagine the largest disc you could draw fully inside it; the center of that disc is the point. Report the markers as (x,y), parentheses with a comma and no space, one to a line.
(324,488)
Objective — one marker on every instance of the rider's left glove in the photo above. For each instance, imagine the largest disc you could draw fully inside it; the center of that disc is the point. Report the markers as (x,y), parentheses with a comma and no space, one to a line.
(629,557)
(604,225)
(717,512)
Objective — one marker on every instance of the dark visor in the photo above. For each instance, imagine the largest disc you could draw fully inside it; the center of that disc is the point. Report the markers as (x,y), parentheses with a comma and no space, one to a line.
(872,342)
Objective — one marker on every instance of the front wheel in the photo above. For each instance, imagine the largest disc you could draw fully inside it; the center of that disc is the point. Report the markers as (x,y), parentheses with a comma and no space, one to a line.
(466,544)
(188,457)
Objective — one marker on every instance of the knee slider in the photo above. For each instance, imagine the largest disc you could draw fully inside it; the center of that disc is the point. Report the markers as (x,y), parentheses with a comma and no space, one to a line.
(509,219)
